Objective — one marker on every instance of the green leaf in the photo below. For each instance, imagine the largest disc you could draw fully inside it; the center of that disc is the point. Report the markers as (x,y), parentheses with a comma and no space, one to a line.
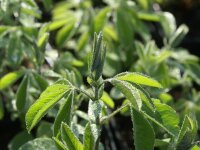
(89,140)
(184,128)
(163,55)
(144,136)
(148,16)
(39,144)
(59,23)
(167,117)
(168,23)
(44,129)
(188,133)
(70,139)
(59,144)
(100,19)
(64,34)
(110,32)
(129,91)
(193,70)
(19,140)
(96,59)
(138,78)
(195,147)
(144,93)
(163,142)
(178,35)
(3,29)
(83,41)
(64,113)
(41,81)
(124,25)
(107,100)
(14,52)
(22,93)
(42,41)
(30,11)
(46,101)
(10,78)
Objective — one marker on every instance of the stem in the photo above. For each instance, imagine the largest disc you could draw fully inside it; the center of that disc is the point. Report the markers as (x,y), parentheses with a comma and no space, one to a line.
(97,122)
(96,91)
(84,92)
(105,118)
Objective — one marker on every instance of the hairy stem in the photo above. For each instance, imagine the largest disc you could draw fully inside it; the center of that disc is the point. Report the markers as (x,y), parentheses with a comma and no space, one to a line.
(84,92)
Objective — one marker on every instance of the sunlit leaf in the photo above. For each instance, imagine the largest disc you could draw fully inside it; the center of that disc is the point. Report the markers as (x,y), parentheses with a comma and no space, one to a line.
(10,78)
(138,78)
(70,139)
(107,100)
(167,117)
(59,144)
(168,23)
(129,91)
(89,140)
(46,101)
(64,34)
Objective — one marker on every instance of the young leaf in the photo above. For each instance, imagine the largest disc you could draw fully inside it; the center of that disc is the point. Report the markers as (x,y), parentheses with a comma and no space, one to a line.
(138,78)
(89,139)
(39,143)
(59,144)
(22,93)
(144,136)
(10,78)
(130,92)
(46,101)
(70,139)
(64,113)
(96,58)
(168,23)
(178,35)
(187,134)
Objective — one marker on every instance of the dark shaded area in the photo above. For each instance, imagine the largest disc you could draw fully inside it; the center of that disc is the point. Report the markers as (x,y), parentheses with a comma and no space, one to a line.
(8,129)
